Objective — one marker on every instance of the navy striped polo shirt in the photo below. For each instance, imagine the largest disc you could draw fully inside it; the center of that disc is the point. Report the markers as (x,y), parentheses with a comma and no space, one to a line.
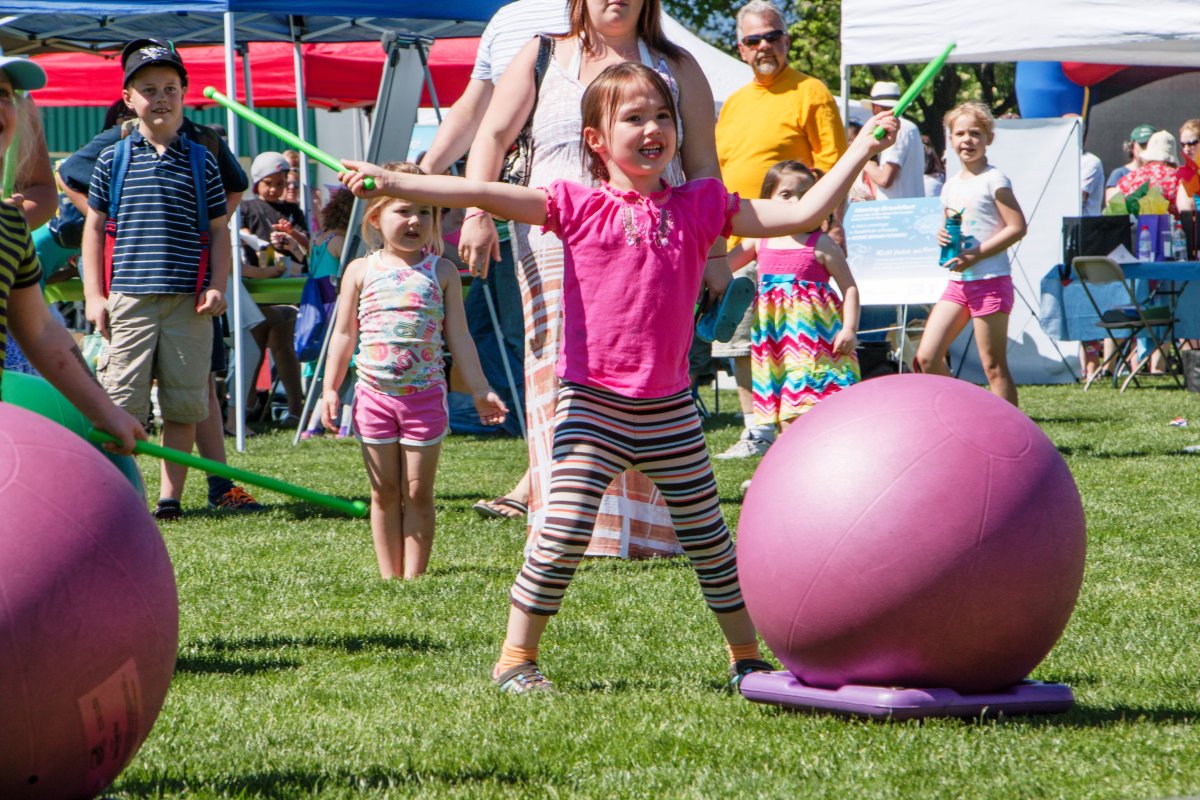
(158,246)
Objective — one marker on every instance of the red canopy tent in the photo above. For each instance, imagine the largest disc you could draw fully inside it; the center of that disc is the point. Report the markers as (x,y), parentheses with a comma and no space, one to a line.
(336,75)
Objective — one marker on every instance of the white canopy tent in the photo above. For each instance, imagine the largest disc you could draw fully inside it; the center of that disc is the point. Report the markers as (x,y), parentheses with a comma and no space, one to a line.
(1096,31)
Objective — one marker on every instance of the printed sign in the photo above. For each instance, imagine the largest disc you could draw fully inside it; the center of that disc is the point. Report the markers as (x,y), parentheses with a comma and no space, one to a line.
(893,250)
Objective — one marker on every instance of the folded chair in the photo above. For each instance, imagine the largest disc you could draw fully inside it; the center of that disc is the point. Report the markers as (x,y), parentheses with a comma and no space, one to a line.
(1132,315)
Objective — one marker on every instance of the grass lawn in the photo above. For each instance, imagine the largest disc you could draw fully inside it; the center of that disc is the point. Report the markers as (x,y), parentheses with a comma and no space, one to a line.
(300,673)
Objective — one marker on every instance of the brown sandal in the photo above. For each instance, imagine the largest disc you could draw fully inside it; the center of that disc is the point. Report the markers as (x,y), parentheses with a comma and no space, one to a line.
(501,508)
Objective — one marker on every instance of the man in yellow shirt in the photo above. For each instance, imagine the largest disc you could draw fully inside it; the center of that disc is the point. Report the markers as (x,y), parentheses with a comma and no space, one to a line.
(782,114)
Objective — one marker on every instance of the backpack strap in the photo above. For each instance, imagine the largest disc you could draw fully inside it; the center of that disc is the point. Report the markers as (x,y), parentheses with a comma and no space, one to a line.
(196,153)
(122,155)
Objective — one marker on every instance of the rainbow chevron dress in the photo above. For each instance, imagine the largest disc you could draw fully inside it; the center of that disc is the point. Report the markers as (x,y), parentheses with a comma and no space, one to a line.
(796,315)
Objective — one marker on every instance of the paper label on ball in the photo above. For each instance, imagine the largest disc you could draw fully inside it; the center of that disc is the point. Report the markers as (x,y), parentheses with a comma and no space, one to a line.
(111,723)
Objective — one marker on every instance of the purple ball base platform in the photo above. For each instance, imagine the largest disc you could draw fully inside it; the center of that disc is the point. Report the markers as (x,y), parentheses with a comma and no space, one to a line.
(885,702)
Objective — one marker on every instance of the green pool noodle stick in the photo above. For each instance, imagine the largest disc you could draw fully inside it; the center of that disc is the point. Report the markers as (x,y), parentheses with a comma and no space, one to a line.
(354,508)
(910,94)
(287,136)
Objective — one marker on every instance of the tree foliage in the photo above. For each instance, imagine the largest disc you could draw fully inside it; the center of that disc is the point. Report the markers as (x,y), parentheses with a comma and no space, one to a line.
(816,50)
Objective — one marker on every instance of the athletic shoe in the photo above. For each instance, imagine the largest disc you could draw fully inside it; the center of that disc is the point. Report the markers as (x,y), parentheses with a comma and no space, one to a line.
(236,499)
(524,678)
(746,447)
(740,669)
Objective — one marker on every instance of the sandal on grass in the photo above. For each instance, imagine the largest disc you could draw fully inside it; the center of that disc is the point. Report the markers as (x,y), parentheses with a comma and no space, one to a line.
(501,508)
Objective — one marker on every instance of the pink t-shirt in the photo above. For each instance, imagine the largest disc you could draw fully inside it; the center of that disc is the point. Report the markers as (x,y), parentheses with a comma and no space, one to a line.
(632,267)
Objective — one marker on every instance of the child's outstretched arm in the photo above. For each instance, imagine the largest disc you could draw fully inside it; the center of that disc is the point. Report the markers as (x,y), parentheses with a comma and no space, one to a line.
(831,257)
(1012,232)
(342,341)
(743,253)
(768,218)
(518,203)
(462,348)
(56,356)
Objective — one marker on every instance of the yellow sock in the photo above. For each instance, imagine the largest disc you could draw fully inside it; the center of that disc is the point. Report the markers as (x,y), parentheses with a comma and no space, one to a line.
(739,652)
(511,656)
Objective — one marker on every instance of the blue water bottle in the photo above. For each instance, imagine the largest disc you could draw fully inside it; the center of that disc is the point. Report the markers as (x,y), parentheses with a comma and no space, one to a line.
(954,247)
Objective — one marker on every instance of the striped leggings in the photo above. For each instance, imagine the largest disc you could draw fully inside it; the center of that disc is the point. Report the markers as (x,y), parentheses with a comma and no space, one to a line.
(599,434)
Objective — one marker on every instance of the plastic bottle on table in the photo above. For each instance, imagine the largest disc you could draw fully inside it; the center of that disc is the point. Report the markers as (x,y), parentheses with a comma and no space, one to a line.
(1166,246)
(1178,242)
(1145,245)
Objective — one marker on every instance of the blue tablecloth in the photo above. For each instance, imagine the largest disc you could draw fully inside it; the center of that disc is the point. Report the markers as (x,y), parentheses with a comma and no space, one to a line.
(1066,314)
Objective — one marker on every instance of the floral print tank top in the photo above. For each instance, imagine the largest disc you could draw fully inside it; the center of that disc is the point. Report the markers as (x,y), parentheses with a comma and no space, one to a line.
(400,312)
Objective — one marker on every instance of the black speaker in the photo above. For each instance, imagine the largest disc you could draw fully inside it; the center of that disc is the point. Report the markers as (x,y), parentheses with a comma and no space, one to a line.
(875,359)
(1094,236)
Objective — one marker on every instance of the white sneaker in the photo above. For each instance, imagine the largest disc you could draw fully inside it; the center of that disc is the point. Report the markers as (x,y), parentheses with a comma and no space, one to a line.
(747,447)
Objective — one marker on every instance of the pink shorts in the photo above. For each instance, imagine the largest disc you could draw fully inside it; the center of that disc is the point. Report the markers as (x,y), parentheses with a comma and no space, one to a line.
(418,420)
(982,298)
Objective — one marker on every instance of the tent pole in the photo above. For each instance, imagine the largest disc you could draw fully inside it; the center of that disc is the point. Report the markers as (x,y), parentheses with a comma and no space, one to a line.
(235,226)
(433,98)
(305,192)
(845,99)
(301,120)
(252,140)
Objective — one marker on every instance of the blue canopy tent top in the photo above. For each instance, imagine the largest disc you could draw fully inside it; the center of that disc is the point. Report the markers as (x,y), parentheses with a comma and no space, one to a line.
(43,26)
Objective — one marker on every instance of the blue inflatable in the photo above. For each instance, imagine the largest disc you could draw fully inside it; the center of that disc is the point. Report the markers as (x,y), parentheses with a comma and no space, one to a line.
(1043,90)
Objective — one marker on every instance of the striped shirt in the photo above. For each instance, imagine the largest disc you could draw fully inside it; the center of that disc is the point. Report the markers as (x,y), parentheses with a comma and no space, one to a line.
(19,266)
(158,246)
(511,28)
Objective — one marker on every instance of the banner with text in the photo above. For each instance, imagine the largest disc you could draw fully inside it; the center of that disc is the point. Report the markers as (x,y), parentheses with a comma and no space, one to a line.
(893,250)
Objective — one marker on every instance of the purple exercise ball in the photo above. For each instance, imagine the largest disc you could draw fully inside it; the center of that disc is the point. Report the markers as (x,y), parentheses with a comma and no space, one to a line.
(89,616)
(912,531)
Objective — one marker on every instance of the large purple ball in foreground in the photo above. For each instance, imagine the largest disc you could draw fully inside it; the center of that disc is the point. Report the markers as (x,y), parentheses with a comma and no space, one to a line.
(89,617)
(914,531)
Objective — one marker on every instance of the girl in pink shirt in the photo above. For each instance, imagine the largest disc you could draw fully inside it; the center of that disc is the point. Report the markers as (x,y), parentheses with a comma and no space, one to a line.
(635,252)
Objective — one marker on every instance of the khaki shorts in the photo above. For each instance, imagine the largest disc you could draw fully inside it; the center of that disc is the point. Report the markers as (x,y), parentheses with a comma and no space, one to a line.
(157,337)
(739,345)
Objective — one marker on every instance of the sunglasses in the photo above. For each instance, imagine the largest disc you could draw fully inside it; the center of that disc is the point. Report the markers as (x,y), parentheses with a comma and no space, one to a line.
(1189,142)
(770,37)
